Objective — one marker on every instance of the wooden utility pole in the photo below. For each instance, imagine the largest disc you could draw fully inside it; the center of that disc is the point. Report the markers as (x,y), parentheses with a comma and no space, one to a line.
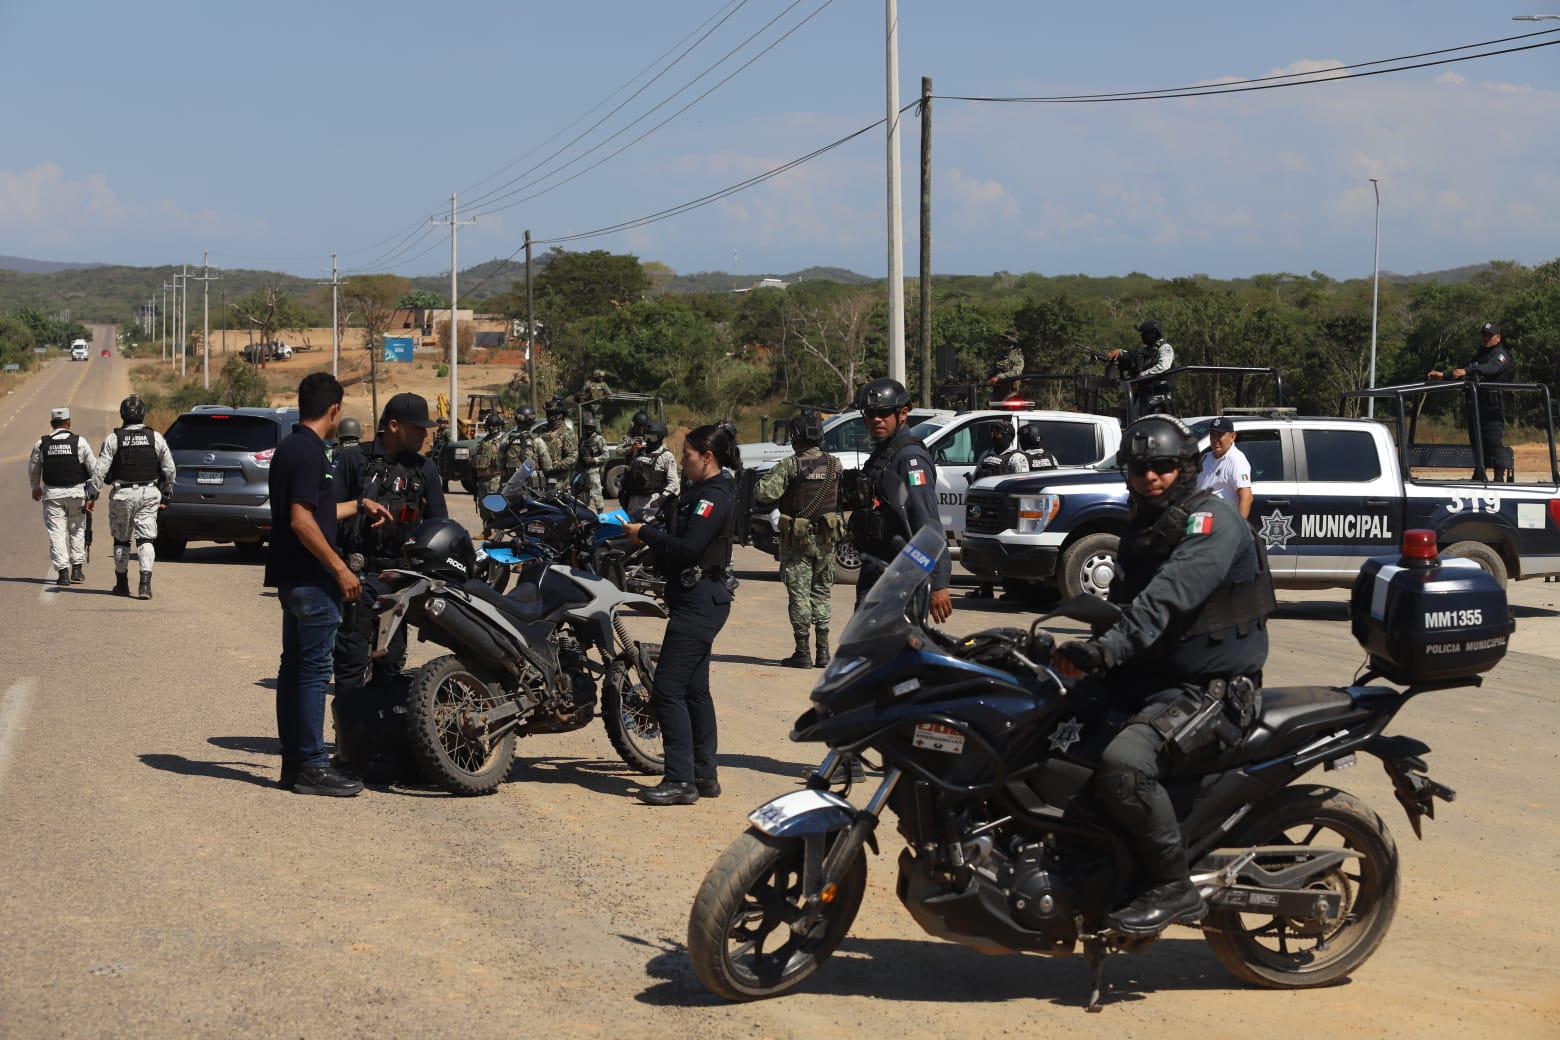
(926,241)
(530,323)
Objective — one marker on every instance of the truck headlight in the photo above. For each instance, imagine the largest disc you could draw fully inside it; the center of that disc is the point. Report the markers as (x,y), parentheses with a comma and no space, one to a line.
(1035,511)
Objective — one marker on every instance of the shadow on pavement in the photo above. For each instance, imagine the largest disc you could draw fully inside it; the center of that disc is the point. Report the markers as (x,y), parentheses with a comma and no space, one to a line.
(222,554)
(253,745)
(764,764)
(219,770)
(30,581)
(592,774)
(269,682)
(768,662)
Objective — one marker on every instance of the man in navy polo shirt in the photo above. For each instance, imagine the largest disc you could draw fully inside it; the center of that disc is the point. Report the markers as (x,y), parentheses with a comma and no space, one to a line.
(311,582)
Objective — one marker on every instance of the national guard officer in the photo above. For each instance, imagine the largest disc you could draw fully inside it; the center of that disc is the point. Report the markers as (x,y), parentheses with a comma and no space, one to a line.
(136,460)
(486,461)
(638,424)
(651,476)
(692,549)
(62,471)
(593,452)
(511,453)
(1183,662)
(595,388)
(806,485)
(1011,364)
(992,458)
(1155,357)
(895,494)
(562,445)
(1491,363)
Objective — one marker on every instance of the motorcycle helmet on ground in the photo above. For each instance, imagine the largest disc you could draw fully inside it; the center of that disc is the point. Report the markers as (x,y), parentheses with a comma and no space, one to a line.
(440,548)
(132,410)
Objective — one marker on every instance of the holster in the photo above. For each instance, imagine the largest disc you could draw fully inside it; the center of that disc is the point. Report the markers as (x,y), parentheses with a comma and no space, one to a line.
(1224,710)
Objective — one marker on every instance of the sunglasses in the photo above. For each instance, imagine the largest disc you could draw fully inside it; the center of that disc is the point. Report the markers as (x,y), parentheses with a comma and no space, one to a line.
(1139,469)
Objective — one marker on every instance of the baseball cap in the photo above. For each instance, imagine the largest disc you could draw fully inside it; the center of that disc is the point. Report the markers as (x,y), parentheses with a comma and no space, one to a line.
(1223,424)
(411,409)
(1489,328)
(59,414)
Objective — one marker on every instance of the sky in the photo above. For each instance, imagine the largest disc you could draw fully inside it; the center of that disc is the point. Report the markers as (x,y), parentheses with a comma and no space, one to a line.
(275,134)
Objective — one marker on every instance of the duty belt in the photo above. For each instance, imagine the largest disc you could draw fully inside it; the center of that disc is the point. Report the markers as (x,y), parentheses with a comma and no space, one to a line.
(134,483)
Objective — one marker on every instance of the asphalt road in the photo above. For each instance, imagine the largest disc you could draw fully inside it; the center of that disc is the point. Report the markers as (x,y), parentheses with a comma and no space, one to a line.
(157,883)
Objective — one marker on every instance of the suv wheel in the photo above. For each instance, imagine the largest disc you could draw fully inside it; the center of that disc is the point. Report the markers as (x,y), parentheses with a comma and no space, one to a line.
(1486,557)
(1088,565)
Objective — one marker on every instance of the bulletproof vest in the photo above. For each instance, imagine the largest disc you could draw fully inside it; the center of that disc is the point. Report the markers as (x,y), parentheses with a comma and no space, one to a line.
(650,479)
(1491,402)
(1235,607)
(135,459)
(875,525)
(816,488)
(716,558)
(991,464)
(1039,458)
(62,466)
(1147,357)
(402,490)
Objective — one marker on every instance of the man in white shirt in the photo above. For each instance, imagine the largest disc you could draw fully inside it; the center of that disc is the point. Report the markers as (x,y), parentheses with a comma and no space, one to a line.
(1225,470)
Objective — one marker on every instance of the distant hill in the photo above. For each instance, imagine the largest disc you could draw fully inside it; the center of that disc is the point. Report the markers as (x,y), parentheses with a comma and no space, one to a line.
(26,266)
(1450,276)
(720,281)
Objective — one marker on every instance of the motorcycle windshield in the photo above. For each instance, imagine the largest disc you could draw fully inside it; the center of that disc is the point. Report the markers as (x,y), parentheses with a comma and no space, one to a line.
(882,613)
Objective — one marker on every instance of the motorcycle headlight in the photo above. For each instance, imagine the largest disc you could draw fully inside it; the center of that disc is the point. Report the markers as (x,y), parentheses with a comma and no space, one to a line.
(1035,511)
(840,669)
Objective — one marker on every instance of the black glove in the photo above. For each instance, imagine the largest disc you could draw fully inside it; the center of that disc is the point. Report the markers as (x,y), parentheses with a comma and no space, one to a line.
(1088,657)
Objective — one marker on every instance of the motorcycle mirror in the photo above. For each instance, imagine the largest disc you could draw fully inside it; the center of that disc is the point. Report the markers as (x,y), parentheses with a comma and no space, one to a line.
(495,503)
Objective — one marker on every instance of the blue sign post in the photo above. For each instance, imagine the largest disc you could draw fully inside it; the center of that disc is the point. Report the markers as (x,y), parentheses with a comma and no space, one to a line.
(398,348)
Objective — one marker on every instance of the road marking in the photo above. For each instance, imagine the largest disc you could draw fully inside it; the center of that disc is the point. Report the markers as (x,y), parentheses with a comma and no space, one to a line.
(12,706)
(37,386)
(50,591)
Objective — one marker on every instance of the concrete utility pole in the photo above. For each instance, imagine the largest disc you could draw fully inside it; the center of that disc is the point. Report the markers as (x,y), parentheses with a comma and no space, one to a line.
(335,342)
(184,318)
(896,254)
(164,326)
(205,280)
(530,325)
(454,222)
(926,242)
(1375,301)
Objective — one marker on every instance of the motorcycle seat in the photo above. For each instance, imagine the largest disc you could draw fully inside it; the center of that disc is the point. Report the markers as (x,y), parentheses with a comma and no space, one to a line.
(1290,716)
(523,604)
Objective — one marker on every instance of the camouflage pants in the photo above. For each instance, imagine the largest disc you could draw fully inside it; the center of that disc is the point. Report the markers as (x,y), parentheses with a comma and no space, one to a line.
(593,497)
(808,582)
(485,486)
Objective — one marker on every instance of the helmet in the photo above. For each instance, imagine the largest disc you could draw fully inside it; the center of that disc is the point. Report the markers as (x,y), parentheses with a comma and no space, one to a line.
(1162,438)
(806,427)
(132,410)
(1001,433)
(590,420)
(350,431)
(554,406)
(599,373)
(1150,331)
(1029,436)
(881,394)
(525,414)
(440,549)
(655,432)
(640,422)
(493,421)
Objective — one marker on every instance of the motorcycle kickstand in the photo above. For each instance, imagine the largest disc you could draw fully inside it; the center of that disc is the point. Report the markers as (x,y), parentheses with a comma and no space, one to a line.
(1096,950)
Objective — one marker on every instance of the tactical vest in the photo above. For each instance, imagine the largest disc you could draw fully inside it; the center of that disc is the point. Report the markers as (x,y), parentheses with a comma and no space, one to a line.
(402,490)
(62,465)
(875,523)
(135,457)
(715,561)
(815,490)
(652,480)
(1235,605)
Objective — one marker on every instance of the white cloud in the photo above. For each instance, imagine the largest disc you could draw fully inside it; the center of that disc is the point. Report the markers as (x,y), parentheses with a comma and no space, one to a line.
(1451,77)
(979,202)
(44,209)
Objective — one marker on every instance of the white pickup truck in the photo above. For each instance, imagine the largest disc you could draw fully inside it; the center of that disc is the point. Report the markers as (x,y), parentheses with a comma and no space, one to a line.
(78,350)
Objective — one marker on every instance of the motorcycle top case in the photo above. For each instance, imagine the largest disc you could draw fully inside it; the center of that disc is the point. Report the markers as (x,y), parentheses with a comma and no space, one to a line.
(1427,621)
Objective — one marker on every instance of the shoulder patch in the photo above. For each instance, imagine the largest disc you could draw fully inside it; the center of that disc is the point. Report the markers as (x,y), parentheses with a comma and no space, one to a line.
(704,507)
(916,477)
(1199,523)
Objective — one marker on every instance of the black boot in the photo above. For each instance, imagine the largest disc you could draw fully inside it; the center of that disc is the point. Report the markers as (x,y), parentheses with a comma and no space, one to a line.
(122,584)
(707,788)
(1174,902)
(326,781)
(62,576)
(670,792)
(76,576)
(146,585)
(800,658)
(821,657)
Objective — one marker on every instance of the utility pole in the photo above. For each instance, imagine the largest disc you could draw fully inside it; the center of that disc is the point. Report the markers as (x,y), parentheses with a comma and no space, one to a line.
(335,342)
(205,281)
(1375,301)
(182,322)
(454,222)
(926,242)
(164,326)
(896,255)
(530,323)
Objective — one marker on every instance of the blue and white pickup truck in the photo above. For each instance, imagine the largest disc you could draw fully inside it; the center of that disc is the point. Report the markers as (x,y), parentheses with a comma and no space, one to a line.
(1327,494)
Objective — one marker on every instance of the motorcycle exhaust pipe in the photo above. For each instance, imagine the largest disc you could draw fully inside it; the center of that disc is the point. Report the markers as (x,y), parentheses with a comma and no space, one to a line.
(470,634)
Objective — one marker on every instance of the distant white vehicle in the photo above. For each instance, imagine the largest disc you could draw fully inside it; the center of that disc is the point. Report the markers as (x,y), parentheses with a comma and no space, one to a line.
(78,350)
(282,351)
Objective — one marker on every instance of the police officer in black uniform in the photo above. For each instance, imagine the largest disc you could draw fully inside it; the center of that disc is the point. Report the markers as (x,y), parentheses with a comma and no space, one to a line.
(692,547)
(1491,363)
(388,470)
(1184,662)
(895,494)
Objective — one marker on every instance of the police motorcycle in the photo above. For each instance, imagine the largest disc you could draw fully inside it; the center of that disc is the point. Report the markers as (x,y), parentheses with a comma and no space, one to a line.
(520,664)
(987,768)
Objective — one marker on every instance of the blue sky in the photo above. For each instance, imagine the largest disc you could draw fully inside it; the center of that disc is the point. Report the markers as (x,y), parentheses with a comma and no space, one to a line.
(275,133)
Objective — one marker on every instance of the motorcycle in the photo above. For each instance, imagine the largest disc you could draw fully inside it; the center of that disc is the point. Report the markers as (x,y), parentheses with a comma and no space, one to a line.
(987,766)
(520,664)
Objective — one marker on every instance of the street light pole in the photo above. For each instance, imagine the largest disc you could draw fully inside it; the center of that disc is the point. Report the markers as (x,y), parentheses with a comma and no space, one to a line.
(896,255)
(1375,301)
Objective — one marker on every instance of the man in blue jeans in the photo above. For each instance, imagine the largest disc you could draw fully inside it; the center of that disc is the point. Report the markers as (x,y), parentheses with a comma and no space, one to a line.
(311,581)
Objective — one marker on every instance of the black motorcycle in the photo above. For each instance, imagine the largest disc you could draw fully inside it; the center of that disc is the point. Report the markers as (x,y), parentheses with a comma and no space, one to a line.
(987,766)
(520,664)
(559,526)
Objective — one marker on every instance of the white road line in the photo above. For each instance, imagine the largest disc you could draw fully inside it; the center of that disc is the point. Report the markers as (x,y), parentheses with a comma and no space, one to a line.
(12,707)
(37,386)
(50,591)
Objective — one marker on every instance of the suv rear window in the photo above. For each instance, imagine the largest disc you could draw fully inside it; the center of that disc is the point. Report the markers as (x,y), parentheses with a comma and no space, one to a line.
(221,432)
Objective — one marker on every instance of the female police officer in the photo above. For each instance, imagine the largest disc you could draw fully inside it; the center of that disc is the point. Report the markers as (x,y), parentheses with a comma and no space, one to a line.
(693,552)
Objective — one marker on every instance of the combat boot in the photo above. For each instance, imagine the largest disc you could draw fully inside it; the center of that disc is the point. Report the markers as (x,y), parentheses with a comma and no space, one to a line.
(146,585)
(800,658)
(122,583)
(62,577)
(821,656)
(76,576)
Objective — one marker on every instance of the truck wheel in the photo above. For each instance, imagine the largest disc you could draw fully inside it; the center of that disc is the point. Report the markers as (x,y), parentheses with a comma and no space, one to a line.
(612,480)
(1488,559)
(1087,566)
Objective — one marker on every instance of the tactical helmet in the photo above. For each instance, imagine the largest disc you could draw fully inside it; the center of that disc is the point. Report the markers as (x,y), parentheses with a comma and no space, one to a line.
(882,395)
(805,426)
(132,410)
(525,413)
(1001,434)
(1160,438)
(640,422)
(1150,331)
(349,431)
(493,421)
(655,432)
(440,549)
(554,406)
(1029,436)
(599,373)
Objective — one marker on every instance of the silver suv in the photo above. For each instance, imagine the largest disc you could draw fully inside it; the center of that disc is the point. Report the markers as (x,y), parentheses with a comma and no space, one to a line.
(222,490)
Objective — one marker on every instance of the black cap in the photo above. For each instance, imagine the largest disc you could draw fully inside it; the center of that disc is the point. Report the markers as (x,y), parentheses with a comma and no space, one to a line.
(1489,328)
(1223,424)
(408,409)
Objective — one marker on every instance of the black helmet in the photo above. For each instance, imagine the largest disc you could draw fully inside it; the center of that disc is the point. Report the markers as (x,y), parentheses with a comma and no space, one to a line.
(1001,433)
(554,406)
(440,549)
(1151,332)
(349,431)
(883,394)
(1159,438)
(132,410)
(655,432)
(493,421)
(640,422)
(805,426)
(525,413)
(1029,436)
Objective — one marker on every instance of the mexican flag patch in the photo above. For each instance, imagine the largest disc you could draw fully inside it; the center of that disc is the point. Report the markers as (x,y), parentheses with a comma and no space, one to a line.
(704,507)
(1199,523)
(916,477)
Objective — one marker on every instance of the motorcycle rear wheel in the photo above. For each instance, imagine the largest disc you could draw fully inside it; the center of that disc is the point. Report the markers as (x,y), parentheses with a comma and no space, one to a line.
(1277,952)
(631,723)
(751,897)
(443,706)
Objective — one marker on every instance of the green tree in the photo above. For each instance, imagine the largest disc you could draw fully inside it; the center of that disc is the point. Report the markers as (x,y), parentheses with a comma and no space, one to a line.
(267,311)
(582,285)
(421,300)
(371,301)
(16,341)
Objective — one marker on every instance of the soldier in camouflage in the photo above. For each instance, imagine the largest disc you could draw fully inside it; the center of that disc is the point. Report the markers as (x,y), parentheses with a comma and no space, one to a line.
(806,485)
(652,476)
(1011,365)
(594,391)
(487,463)
(562,445)
(593,452)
